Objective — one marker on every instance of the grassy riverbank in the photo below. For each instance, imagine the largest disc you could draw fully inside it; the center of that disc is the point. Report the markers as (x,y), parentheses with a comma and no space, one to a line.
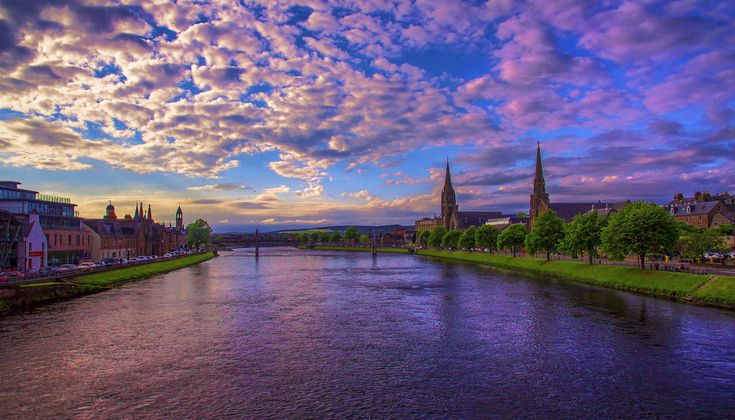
(106,279)
(356,249)
(703,289)
(32,294)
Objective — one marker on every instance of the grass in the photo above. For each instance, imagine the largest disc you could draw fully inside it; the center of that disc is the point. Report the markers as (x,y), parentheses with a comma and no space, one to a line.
(719,290)
(48,283)
(108,278)
(357,249)
(658,283)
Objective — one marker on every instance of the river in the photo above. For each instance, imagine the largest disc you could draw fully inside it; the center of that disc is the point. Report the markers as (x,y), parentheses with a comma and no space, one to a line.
(336,334)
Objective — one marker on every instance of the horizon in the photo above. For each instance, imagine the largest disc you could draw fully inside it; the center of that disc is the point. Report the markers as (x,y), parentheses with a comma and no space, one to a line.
(285,116)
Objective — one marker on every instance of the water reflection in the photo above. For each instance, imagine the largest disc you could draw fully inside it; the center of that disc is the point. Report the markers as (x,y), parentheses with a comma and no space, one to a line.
(325,334)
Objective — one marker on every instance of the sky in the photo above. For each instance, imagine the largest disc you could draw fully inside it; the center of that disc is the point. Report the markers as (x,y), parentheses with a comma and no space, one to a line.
(276,114)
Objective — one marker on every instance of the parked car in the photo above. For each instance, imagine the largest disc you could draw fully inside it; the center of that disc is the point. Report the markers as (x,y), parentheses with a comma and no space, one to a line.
(66,267)
(87,266)
(47,271)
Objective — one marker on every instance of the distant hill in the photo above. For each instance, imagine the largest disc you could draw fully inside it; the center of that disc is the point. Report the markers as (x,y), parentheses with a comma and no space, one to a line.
(360,229)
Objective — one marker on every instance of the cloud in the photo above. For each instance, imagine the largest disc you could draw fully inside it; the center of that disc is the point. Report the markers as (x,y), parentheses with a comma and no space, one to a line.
(225,186)
(622,95)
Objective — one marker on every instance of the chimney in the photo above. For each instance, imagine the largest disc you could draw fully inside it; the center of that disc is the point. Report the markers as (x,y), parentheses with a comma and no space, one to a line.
(679,197)
(698,196)
(707,196)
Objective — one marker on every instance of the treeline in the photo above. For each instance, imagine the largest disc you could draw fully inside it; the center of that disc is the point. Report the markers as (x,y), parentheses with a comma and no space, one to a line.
(640,229)
(350,236)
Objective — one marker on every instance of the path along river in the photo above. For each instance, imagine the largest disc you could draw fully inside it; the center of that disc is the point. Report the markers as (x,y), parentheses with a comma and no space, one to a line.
(335,334)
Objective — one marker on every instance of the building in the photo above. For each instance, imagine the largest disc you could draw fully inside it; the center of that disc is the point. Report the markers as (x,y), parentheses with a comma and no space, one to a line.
(66,239)
(427,224)
(23,243)
(135,235)
(703,210)
(540,201)
(504,221)
(451,218)
(112,238)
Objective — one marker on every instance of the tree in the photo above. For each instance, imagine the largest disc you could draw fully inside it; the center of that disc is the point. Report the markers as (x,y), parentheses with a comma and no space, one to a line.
(467,239)
(451,239)
(324,237)
(639,229)
(583,235)
(486,236)
(314,237)
(198,233)
(546,234)
(727,230)
(521,214)
(423,238)
(364,239)
(351,234)
(512,237)
(335,238)
(695,244)
(435,239)
(303,238)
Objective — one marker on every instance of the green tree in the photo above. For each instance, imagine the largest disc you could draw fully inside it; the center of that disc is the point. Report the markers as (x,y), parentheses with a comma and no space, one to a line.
(467,239)
(324,237)
(639,229)
(727,230)
(583,235)
(451,239)
(435,239)
(546,234)
(198,233)
(486,236)
(351,234)
(695,244)
(314,237)
(364,239)
(423,238)
(512,237)
(335,238)
(521,214)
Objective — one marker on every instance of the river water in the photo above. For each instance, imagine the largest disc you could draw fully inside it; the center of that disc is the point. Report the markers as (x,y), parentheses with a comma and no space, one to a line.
(329,334)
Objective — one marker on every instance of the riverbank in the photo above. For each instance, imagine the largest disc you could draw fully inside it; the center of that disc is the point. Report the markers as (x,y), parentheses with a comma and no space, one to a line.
(356,249)
(708,290)
(690,288)
(33,294)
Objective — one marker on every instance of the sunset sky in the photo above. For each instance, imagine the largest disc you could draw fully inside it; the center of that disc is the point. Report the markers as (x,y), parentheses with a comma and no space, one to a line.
(281,113)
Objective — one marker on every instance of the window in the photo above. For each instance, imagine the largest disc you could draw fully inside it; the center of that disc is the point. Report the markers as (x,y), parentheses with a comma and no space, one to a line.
(689,209)
(78,239)
(69,240)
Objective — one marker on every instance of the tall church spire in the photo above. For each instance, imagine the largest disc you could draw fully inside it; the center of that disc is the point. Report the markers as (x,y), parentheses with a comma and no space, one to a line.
(539,198)
(150,215)
(136,211)
(449,202)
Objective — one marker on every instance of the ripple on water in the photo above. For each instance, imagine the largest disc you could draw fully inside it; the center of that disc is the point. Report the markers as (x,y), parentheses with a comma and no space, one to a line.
(328,334)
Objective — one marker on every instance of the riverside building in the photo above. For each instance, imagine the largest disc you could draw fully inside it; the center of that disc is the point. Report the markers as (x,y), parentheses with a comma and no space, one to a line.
(66,239)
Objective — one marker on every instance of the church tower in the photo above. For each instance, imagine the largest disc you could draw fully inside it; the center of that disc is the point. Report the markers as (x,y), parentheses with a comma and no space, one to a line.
(179,218)
(539,198)
(150,215)
(110,212)
(449,203)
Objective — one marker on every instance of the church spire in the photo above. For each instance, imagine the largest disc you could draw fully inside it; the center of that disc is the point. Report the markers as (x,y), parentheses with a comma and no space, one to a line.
(447,177)
(539,198)
(150,215)
(136,211)
(449,202)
